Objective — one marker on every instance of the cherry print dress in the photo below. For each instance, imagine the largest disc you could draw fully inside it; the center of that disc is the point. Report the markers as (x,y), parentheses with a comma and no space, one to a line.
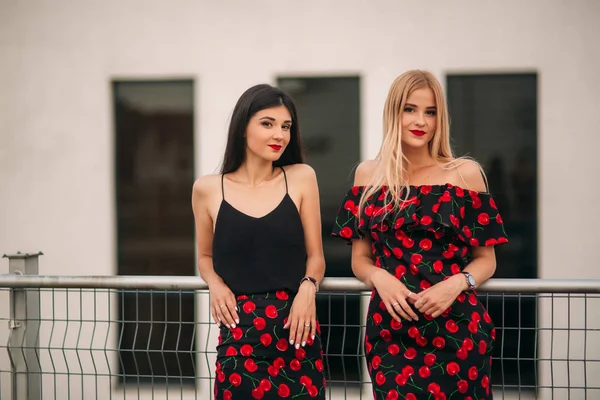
(262,260)
(427,239)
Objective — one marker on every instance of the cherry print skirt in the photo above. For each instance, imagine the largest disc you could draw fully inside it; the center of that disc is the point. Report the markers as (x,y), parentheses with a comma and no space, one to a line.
(255,359)
(448,357)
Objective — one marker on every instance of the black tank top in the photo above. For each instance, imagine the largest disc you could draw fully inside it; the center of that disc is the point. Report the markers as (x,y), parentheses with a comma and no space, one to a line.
(259,255)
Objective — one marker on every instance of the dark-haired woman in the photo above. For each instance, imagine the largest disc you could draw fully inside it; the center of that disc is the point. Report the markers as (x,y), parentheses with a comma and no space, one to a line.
(260,252)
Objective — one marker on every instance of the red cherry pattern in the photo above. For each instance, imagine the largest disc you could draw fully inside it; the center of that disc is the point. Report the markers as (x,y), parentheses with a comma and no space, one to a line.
(256,361)
(426,240)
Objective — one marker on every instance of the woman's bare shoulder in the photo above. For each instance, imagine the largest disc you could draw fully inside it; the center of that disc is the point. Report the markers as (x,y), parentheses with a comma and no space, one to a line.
(207,185)
(468,174)
(364,171)
(300,172)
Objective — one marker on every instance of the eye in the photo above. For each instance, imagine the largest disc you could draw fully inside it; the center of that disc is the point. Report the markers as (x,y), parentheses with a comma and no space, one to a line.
(408,109)
(287,127)
(433,113)
(266,124)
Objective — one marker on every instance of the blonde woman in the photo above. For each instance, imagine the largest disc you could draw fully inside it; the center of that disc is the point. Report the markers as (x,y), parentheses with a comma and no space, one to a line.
(423,229)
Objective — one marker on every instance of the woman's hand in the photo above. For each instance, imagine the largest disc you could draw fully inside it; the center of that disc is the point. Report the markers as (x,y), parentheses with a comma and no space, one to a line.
(437,298)
(223,305)
(394,294)
(302,320)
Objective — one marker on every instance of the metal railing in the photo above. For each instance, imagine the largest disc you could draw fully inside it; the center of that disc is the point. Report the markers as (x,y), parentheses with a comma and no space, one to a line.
(104,337)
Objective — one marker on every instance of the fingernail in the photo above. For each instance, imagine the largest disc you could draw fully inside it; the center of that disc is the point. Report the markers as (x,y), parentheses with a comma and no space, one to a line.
(236,308)
(303,343)
(297,346)
(237,321)
(313,337)
(291,342)
(233,326)
(227,325)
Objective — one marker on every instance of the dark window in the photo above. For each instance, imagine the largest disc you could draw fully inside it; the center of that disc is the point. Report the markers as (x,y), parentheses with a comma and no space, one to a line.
(329,112)
(154,144)
(494,119)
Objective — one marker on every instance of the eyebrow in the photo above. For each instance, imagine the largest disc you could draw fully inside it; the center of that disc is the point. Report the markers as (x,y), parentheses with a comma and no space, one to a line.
(412,105)
(273,119)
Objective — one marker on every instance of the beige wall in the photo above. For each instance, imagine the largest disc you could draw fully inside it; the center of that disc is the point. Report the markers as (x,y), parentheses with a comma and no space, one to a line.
(58,57)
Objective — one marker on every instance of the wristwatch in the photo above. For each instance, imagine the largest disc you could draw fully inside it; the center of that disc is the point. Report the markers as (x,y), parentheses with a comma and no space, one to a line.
(313,280)
(470,280)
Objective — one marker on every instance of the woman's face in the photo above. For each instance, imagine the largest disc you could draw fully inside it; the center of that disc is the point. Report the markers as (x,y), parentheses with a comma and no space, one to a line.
(268,133)
(419,118)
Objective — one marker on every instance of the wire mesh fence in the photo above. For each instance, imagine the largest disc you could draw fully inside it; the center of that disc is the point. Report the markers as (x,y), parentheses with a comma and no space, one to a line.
(152,338)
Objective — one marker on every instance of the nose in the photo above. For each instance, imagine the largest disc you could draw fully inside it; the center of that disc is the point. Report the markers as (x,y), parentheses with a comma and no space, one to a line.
(420,121)
(278,134)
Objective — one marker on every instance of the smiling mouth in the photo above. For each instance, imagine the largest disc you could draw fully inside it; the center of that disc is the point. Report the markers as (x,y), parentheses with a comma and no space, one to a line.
(275,147)
(417,133)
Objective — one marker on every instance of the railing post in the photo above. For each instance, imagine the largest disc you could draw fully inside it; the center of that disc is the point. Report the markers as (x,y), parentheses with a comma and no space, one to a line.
(23,342)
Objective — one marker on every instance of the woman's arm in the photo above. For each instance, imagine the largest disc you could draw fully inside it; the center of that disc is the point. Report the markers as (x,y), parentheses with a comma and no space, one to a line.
(393,293)
(483,263)
(204,231)
(437,298)
(482,266)
(310,214)
(222,300)
(303,318)
(363,265)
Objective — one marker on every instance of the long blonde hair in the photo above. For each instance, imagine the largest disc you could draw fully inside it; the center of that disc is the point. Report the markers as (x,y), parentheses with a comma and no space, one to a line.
(390,170)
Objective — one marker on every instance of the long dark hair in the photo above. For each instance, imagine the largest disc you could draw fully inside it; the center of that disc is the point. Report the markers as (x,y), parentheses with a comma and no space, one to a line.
(253,100)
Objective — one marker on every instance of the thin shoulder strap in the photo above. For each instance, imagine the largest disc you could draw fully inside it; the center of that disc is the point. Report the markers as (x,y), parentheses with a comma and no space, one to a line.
(222,186)
(285,178)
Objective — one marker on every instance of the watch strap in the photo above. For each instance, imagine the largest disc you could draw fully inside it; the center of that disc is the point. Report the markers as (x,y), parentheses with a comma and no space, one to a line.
(311,279)
(470,280)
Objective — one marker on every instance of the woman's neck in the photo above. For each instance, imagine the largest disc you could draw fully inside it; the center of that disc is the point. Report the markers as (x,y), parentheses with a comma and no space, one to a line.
(417,159)
(255,172)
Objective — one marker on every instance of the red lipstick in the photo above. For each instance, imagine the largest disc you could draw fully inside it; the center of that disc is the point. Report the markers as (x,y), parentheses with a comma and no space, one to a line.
(417,133)
(275,147)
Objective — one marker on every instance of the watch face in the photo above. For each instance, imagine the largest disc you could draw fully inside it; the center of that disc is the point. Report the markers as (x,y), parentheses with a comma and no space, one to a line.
(471,280)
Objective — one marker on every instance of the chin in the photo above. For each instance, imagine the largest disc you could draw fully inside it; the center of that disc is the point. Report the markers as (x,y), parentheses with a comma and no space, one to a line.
(272,157)
(416,143)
